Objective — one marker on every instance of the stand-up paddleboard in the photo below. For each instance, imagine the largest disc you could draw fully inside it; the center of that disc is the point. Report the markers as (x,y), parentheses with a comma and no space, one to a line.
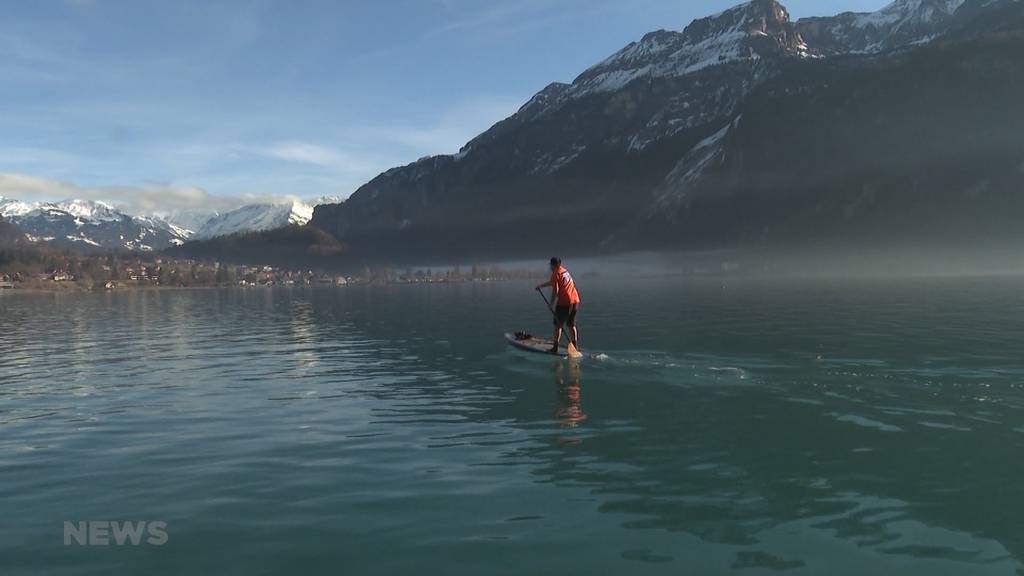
(531,343)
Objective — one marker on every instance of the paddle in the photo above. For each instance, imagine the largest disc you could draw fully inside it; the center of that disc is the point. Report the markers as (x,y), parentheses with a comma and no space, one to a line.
(573,352)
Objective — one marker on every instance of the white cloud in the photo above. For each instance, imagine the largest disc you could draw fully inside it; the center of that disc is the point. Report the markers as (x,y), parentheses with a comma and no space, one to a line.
(142,199)
(334,160)
(306,153)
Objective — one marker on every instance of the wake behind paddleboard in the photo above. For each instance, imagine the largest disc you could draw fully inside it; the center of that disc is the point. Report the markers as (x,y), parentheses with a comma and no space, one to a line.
(533,344)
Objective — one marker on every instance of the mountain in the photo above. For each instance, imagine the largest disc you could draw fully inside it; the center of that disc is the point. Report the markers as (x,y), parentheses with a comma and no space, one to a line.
(188,219)
(920,148)
(92,225)
(573,157)
(292,246)
(10,234)
(89,225)
(902,23)
(743,128)
(254,218)
(758,29)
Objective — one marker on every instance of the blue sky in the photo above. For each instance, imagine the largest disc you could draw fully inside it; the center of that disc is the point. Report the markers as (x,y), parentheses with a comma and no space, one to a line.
(176,104)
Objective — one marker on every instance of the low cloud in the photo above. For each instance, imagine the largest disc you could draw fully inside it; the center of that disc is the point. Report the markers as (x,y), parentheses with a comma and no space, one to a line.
(136,200)
(306,153)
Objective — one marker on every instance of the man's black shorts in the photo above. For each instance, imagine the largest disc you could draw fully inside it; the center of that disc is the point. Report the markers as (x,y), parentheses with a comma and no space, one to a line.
(565,314)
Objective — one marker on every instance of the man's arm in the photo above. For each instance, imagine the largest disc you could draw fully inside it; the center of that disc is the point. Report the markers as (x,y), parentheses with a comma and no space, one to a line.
(554,290)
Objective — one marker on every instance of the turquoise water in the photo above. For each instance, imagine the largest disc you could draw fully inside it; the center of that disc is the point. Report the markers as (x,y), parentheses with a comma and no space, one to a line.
(855,427)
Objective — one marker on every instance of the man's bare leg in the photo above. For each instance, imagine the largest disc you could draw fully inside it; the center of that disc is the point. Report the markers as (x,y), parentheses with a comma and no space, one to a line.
(556,338)
(574,336)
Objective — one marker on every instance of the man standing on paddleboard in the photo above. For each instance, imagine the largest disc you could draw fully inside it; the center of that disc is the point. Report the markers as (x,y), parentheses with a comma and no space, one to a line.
(566,299)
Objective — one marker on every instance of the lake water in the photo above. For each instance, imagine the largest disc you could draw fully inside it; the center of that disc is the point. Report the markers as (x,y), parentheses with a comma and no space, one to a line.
(826,427)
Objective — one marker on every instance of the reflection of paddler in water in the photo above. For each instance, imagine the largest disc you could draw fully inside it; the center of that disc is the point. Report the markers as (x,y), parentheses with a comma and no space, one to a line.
(570,412)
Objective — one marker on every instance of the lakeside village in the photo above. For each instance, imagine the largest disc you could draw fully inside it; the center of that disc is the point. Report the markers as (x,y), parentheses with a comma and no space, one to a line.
(66,271)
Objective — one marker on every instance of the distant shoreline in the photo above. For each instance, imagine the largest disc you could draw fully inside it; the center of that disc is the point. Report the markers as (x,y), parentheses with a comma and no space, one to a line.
(64,288)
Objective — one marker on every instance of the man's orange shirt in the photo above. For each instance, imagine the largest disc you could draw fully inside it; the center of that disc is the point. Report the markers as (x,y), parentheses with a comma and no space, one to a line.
(566,287)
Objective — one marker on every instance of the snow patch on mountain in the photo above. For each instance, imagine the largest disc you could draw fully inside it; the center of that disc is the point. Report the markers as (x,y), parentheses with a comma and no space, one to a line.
(692,166)
(177,230)
(82,238)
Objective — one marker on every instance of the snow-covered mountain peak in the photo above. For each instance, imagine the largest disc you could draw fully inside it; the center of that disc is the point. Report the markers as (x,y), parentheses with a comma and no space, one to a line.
(748,31)
(756,16)
(909,12)
(11,208)
(80,210)
(541,101)
(255,217)
(751,31)
(89,210)
(901,23)
(88,224)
